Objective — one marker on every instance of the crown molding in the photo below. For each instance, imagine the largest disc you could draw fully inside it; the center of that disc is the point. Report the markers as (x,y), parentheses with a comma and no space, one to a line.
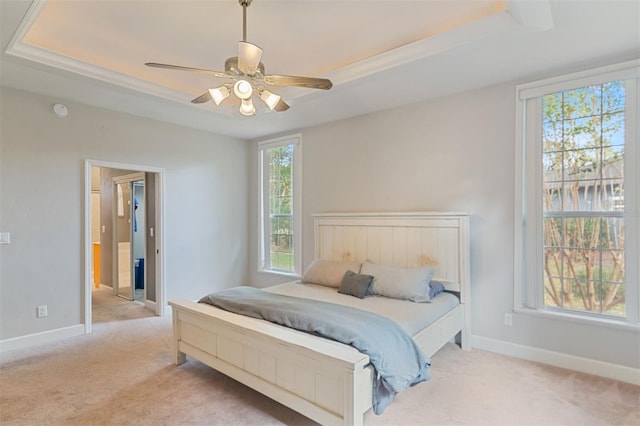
(517,15)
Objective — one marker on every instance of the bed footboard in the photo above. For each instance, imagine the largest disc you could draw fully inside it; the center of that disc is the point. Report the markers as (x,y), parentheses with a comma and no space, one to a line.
(451,326)
(323,380)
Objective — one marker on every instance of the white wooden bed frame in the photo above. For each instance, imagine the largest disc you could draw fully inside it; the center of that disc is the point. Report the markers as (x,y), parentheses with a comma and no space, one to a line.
(327,381)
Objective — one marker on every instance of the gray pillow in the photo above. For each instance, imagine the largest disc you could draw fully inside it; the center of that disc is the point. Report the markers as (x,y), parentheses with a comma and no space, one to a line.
(355,284)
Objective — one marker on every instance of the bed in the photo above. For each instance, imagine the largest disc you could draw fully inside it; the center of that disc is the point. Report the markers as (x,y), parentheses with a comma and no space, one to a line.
(324,380)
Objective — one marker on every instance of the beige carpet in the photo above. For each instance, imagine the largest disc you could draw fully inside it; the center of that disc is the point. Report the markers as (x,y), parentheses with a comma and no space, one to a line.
(107,308)
(122,374)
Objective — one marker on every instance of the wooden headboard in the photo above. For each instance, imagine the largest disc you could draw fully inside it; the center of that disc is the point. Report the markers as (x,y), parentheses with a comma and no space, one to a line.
(435,239)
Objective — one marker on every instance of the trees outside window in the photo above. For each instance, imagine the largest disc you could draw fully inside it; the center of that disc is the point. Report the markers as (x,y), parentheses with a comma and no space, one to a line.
(280,215)
(280,160)
(578,195)
(583,198)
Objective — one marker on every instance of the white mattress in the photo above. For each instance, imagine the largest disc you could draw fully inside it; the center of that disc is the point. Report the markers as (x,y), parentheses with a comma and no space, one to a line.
(411,316)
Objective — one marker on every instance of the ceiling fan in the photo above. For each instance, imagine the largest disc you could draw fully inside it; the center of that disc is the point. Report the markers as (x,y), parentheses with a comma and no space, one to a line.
(247,73)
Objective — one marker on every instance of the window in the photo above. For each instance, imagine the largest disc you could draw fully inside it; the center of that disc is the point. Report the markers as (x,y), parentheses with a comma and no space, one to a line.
(578,195)
(280,224)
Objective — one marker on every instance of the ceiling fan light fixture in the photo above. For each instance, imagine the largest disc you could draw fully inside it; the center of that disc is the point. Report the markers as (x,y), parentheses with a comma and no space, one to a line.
(271,99)
(219,94)
(243,89)
(248,75)
(247,107)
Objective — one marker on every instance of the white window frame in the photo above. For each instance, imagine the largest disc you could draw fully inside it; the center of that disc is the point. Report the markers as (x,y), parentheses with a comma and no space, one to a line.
(263,185)
(528,235)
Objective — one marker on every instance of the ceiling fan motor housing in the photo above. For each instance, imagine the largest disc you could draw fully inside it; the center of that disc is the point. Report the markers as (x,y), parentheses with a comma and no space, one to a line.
(231,68)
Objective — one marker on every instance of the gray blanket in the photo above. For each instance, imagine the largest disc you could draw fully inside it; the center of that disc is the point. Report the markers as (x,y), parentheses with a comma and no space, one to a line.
(398,361)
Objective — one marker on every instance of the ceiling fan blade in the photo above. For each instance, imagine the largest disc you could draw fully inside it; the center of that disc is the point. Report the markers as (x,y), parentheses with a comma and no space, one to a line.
(249,56)
(292,80)
(181,68)
(281,106)
(205,97)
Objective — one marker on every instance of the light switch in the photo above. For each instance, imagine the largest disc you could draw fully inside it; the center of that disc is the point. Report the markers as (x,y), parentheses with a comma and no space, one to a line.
(5,238)
(151,231)
(104,228)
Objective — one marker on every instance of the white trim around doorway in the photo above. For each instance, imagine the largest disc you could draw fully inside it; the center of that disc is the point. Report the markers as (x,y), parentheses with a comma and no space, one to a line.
(159,236)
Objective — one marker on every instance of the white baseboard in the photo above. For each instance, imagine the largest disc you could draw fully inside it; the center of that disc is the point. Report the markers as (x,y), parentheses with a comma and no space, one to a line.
(571,362)
(29,340)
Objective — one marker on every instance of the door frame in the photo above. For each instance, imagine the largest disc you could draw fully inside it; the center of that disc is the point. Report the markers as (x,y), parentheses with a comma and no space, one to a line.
(130,179)
(159,233)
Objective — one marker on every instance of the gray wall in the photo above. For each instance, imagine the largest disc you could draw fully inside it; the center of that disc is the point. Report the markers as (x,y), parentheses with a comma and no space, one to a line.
(454,153)
(42,161)
(449,154)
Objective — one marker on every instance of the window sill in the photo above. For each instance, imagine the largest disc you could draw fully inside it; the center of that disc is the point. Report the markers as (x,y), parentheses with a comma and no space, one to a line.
(620,324)
(291,275)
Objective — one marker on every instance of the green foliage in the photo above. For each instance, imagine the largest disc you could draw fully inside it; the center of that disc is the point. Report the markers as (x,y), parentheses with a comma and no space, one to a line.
(583,149)
(281,179)
(280,162)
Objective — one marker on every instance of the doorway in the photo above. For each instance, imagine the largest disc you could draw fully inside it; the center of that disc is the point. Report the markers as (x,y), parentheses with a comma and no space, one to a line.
(130,240)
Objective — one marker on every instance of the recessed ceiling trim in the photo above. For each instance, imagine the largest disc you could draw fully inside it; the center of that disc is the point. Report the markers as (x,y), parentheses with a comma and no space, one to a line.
(27,21)
(18,48)
(535,15)
(54,59)
(516,16)
(472,32)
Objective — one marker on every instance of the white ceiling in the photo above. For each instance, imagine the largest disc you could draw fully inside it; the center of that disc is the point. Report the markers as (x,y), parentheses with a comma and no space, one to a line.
(379,54)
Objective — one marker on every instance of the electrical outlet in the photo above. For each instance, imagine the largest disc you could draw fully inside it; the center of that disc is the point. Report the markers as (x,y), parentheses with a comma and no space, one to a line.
(42,311)
(5,238)
(508,319)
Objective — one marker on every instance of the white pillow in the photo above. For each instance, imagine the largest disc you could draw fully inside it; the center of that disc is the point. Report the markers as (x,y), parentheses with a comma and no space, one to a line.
(328,272)
(399,283)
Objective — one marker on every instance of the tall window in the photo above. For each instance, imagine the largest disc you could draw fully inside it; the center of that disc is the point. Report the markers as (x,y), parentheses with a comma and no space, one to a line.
(280,199)
(578,202)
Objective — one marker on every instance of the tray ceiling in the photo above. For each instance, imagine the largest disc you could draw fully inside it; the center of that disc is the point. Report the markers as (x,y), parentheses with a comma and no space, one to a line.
(373,51)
